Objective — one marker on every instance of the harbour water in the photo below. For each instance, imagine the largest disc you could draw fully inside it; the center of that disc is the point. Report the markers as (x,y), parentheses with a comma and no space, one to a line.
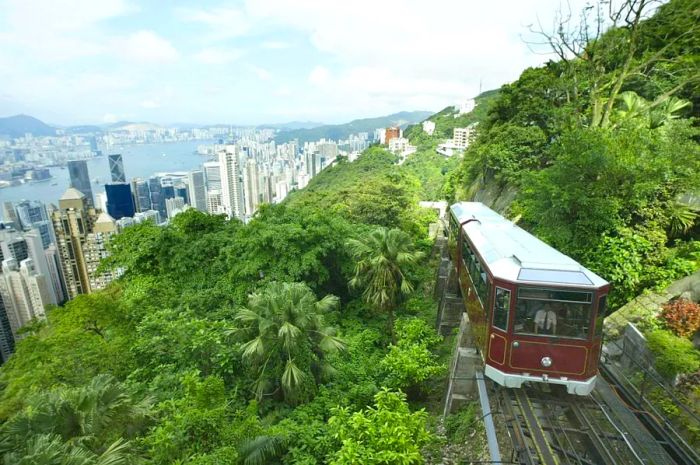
(139,161)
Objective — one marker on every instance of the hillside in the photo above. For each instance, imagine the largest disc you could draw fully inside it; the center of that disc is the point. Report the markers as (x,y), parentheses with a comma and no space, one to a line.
(19,125)
(342,131)
(292,125)
(306,336)
(448,119)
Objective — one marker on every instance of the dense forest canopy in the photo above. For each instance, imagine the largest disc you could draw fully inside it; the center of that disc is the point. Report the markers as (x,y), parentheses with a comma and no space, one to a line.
(230,343)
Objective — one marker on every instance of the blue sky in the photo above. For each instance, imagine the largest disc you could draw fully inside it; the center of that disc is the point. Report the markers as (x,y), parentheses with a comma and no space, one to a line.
(256,61)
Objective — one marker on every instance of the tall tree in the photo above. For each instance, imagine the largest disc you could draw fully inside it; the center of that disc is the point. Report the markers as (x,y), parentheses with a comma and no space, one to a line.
(382,258)
(287,339)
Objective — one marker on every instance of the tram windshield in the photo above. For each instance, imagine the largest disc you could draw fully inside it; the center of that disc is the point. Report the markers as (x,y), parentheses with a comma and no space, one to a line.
(553,312)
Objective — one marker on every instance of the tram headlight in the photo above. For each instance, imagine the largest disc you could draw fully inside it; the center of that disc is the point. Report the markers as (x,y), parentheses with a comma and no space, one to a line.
(546,362)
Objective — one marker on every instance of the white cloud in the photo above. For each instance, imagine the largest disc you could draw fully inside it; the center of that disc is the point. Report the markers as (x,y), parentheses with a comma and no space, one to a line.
(110,118)
(275,45)
(216,56)
(261,73)
(319,75)
(147,47)
(283,91)
(396,50)
(221,23)
(150,104)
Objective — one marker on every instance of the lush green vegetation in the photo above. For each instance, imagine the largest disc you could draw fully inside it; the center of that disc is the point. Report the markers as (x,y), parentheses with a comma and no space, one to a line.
(602,148)
(226,343)
(274,341)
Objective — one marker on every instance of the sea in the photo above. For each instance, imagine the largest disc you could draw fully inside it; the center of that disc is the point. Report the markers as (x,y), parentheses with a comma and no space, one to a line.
(142,160)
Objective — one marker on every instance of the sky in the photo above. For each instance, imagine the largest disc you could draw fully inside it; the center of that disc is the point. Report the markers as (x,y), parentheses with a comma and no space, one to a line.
(72,62)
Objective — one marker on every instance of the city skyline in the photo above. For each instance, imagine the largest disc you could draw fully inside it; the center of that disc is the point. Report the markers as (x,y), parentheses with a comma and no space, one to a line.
(255,62)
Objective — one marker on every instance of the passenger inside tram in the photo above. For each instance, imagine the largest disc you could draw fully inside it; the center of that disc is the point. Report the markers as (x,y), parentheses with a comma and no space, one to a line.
(553,313)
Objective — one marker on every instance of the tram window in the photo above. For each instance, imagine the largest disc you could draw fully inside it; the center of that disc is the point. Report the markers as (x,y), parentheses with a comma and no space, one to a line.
(553,312)
(600,316)
(501,308)
(454,227)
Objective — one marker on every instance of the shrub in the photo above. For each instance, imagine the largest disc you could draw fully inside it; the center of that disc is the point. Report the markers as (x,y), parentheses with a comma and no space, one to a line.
(682,317)
(674,355)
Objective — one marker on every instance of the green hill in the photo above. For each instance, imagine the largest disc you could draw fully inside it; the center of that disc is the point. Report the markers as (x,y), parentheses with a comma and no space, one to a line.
(342,131)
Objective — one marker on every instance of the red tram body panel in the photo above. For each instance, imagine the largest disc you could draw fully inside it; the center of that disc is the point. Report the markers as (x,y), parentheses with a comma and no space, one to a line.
(536,314)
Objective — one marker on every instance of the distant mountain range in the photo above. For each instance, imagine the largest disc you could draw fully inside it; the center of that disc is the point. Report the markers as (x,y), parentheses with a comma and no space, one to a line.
(342,131)
(19,125)
(304,131)
(292,125)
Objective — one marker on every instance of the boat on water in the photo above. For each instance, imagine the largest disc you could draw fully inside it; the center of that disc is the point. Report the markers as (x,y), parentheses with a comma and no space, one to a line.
(96,181)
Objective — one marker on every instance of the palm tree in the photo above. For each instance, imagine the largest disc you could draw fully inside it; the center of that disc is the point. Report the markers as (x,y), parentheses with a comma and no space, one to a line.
(652,114)
(382,257)
(49,449)
(286,338)
(88,417)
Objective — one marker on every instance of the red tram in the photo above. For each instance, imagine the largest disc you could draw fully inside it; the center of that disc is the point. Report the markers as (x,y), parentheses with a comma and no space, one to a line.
(536,315)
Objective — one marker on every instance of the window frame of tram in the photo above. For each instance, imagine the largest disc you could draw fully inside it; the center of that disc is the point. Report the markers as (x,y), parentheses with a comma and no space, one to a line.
(552,312)
(501,304)
(600,315)
(477,274)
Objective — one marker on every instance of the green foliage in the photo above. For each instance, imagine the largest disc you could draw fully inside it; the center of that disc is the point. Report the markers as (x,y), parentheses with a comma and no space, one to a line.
(381,261)
(464,424)
(202,424)
(87,424)
(412,362)
(673,355)
(387,433)
(90,335)
(286,339)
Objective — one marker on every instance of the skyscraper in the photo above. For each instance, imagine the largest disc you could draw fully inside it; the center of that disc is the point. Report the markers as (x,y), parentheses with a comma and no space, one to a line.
(116,167)
(33,215)
(10,214)
(142,195)
(119,200)
(157,199)
(7,340)
(81,236)
(231,185)
(25,290)
(174,206)
(80,180)
(251,187)
(212,174)
(197,190)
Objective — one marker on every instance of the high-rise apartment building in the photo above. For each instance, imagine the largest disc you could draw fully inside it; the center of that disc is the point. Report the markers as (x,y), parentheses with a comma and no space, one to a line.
(463,136)
(81,236)
(212,175)
(7,339)
(80,180)
(10,214)
(20,246)
(25,292)
(33,215)
(120,203)
(197,190)
(251,187)
(116,167)
(231,183)
(174,206)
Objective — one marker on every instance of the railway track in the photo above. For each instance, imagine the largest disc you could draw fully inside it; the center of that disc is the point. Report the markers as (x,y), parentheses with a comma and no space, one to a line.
(549,427)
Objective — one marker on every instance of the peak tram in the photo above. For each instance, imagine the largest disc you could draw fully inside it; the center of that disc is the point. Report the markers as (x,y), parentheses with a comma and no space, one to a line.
(536,315)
